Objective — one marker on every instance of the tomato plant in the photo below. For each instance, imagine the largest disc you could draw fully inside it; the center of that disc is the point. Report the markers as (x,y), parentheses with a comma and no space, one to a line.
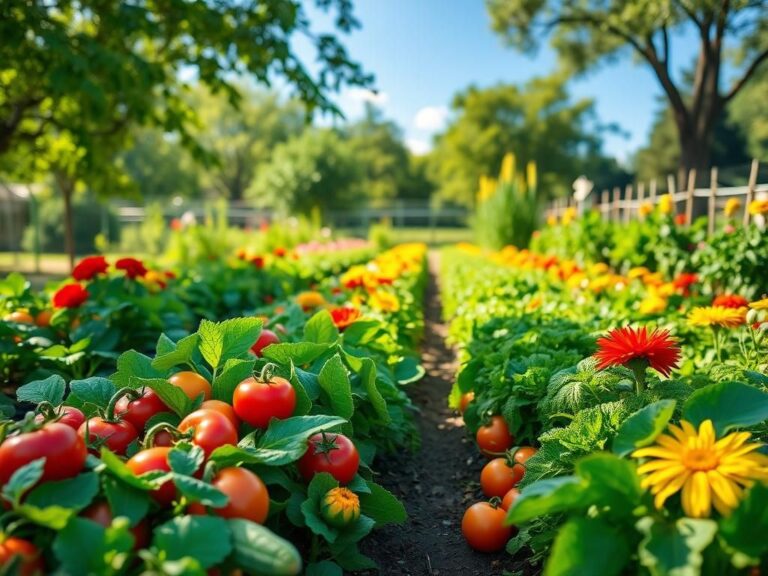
(31,561)
(494,438)
(61,446)
(115,434)
(224,408)
(153,460)
(259,399)
(499,476)
(266,338)
(484,529)
(192,384)
(138,407)
(332,453)
(248,496)
(101,513)
(210,429)
(523,453)
(509,498)
(69,415)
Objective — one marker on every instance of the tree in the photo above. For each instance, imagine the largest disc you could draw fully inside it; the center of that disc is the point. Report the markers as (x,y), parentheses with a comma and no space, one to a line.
(537,122)
(75,77)
(586,33)
(750,113)
(315,170)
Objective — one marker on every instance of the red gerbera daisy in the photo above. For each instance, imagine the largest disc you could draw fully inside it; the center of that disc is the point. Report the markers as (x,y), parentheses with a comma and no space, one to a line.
(133,268)
(89,267)
(343,316)
(70,296)
(730,301)
(629,347)
(684,282)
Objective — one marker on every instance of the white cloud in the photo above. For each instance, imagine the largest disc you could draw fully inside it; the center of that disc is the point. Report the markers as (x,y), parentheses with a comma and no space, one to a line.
(363,95)
(431,118)
(418,147)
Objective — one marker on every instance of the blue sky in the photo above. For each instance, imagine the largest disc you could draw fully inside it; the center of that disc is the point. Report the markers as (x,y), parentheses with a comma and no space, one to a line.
(423,51)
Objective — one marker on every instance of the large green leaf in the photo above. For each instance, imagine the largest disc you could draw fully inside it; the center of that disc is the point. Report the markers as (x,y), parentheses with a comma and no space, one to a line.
(642,427)
(587,546)
(320,329)
(550,496)
(49,390)
(675,549)
(381,505)
(728,404)
(172,396)
(91,394)
(77,492)
(310,508)
(207,539)
(182,353)
(222,341)
(235,371)
(613,480)
(368,375)
(132,364)
(299,353)
(334,380)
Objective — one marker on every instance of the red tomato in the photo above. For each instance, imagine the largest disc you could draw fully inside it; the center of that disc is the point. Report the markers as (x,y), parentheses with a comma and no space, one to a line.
(248,496)
(257,401)
(211,429)
(31,562)
(101,513)
(61,446)
(509,498)
(483,527)
(68,415)
(150,460)
(498,477)
(115,435)
(523,453)
(224,408)
(192,384)
(266,338)
(465,400)
(494,438)
(139,410)
(332,453)
(162,438)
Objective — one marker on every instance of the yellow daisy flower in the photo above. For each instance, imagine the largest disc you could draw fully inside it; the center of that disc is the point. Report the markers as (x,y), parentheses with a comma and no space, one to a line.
(708,472)
(384,301)
(717,316)
(758,207)
(760,304)
(732,206)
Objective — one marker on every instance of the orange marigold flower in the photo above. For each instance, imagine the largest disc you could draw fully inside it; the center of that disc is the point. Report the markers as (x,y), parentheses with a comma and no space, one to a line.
(730,301)
(623,346)
(343,316)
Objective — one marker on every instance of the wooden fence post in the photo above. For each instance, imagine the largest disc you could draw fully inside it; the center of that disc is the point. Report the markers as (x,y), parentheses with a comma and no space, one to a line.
(672,190)
(615,207)
(627,203)
(711,212)
(689,199)
(750,189)
(653,191)
(605,198)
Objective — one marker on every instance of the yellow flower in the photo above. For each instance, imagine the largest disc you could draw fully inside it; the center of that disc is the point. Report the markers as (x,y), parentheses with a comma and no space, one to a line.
(384,301)
(653,279)
(487,188)
(717,316)
(569,215)
(531,175)
(638,272)
(709,472)
(507,174)
(758,207)
(551,220)
(533,304)
(760,304)
(666,203)
(653,304)
(310,300)
(645,209)
(732,205)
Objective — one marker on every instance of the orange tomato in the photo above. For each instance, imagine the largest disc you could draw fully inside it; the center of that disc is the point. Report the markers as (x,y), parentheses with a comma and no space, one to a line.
(224,408)
(30,562)
(523,453)
(20,317)
(192,384)
(499,477)
(509,498)
(248,496)
(483,527)
(43,318)
(494,438)
(465,400)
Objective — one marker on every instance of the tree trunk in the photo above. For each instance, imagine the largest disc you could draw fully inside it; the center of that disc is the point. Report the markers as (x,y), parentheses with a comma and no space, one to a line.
(67,188)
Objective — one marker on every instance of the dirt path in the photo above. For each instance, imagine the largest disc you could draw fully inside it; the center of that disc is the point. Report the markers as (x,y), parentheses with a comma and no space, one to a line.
(439,481)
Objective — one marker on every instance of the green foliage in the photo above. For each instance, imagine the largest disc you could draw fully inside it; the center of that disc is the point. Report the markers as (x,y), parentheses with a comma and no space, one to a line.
(509,217)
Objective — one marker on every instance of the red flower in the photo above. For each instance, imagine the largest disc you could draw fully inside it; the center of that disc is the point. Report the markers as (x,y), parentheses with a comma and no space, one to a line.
(280,252)
(70,296)
(176,224)
(170,275)
(343,316)
(89,267)
(258,261)
(133,268)
(730,301)
(681,219)
(622,346)
(685,281)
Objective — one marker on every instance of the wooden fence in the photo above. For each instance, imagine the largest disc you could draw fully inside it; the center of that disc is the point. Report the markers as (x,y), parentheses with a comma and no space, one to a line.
(618,207)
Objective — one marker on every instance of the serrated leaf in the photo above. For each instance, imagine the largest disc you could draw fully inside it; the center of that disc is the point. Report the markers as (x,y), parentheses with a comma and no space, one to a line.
(186,462)
(172,396)
(51,390)
(182,353)
(133,364)
(299,352)
(91,394)
(320,329)
(233,338)
(234,372)
(334,380)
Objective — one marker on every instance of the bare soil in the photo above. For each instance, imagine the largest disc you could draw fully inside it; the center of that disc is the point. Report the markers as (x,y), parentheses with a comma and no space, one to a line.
(439,481)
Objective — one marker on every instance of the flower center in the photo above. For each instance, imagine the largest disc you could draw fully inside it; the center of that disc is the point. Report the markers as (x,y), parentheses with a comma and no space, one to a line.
(700,459)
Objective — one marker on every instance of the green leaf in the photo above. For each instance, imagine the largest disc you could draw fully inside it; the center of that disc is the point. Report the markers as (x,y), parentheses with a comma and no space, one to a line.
(257,550)
(124,500)
(222,341)
(49,390)
(361,332)
(186,462)
(324,568)
(91,394)
(587,546)
(728,404)
(164,345)
(182,353)
(550,496)
(23,479)
(199,491)
(310,508)
(642,427)
(207,539)
(53,517)
(334,380)
(234,372)
(303,403)
(320,329)
(368,378)
(613,479)
(675,549)
(132,364)
(119,470)
(409,370)
(77,492)
(172,396)
(79,547)
(738,529)
(299,352)
(382,506)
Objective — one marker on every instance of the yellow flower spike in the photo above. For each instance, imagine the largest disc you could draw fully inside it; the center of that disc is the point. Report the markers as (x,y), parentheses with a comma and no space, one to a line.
(531,175)
(706,471)
(507,173)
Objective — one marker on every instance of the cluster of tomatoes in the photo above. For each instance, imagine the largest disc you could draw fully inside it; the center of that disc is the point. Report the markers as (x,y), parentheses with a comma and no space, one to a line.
(483,524)
(64,436)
